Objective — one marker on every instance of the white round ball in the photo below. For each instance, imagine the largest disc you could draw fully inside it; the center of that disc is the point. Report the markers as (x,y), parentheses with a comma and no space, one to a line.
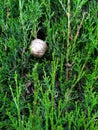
(38,47)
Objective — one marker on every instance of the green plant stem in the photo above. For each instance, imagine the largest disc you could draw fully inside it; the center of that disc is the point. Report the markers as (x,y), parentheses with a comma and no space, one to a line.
(22,21)
(68,40)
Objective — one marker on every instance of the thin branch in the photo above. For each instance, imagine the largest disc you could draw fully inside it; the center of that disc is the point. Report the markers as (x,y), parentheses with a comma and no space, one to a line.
(78,31)
(68,41)
(63,6)
(80,26)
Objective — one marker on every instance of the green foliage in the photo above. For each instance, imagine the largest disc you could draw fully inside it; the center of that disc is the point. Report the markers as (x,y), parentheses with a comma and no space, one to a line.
(58,91)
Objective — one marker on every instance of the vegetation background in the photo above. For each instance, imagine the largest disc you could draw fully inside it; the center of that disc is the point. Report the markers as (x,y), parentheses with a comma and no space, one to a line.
(60,90)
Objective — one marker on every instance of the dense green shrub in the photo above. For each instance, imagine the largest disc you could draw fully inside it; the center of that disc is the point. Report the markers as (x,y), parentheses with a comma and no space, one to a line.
(58,91)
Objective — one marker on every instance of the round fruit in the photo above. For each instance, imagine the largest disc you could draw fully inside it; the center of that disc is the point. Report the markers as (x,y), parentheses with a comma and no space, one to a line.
(38,47)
